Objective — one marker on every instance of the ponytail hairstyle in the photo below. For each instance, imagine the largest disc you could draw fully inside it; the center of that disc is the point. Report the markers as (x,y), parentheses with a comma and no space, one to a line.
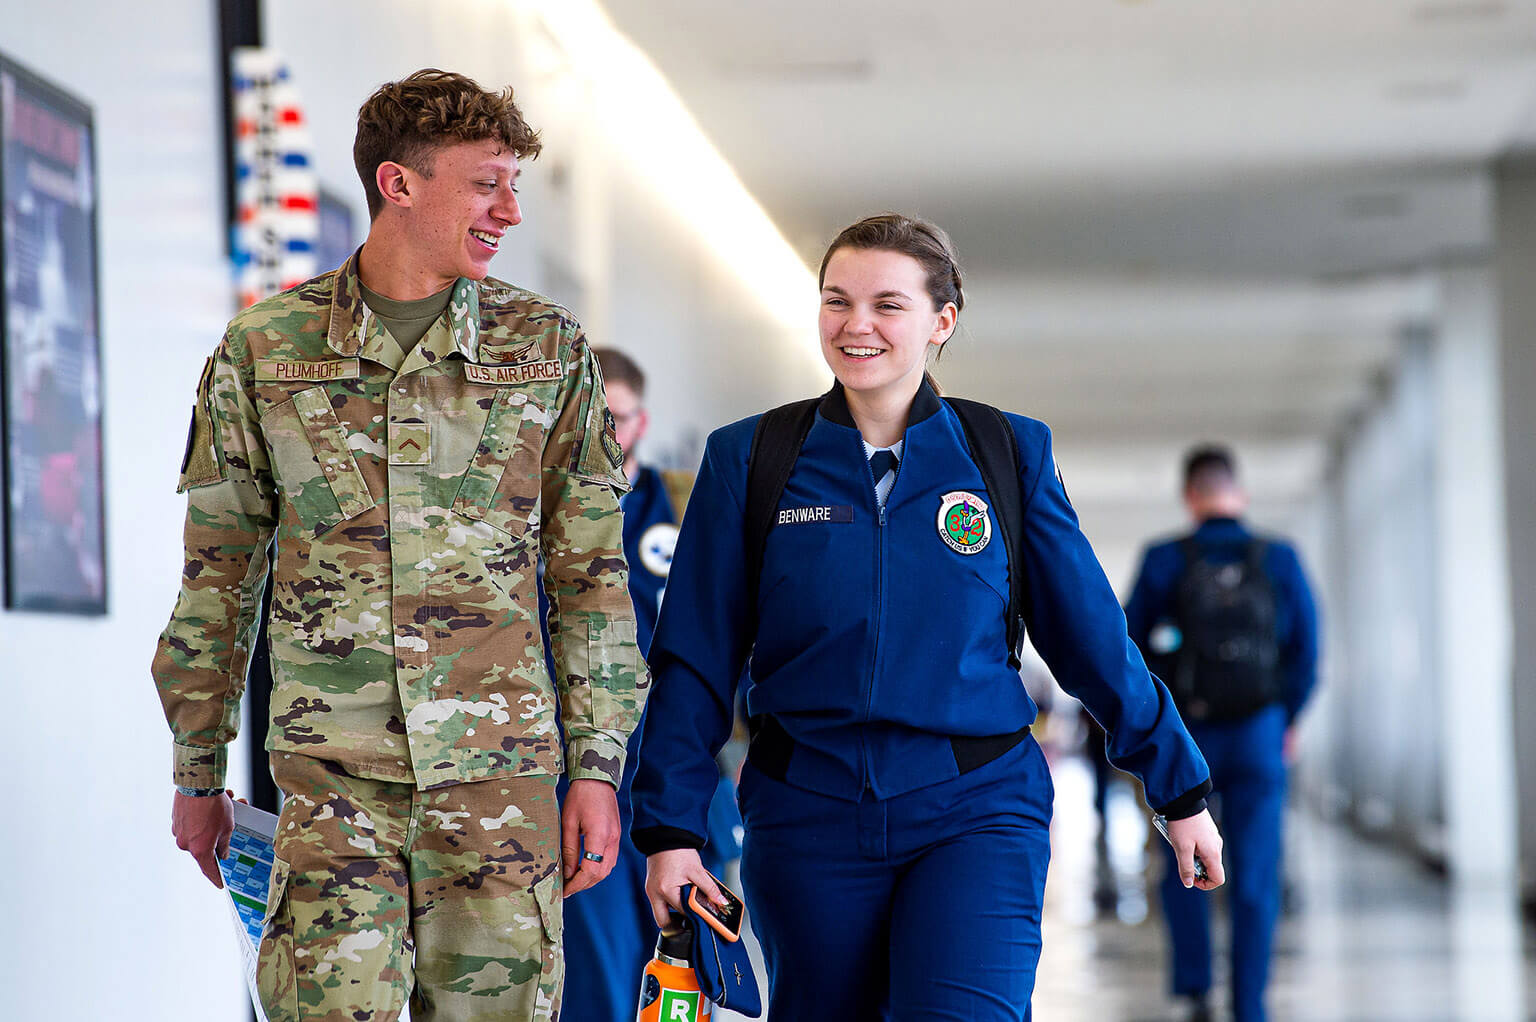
(925,242)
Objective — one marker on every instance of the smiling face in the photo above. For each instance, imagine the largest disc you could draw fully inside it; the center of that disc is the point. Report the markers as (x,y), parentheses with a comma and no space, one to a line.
(878,321)
(456,217)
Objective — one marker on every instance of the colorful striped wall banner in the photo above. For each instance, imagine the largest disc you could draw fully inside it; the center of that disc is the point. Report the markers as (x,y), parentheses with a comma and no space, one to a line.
(277,194)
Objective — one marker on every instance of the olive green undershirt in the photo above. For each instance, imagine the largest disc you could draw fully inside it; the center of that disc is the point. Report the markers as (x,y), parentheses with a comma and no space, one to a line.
(407,322)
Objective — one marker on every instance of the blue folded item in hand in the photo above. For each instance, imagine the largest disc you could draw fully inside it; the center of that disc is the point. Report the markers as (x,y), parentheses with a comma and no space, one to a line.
(722,966)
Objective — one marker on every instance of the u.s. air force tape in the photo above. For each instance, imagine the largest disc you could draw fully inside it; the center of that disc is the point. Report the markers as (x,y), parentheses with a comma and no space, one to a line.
(521,372)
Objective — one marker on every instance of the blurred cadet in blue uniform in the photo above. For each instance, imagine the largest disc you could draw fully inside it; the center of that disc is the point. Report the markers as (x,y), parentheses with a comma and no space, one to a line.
(609,932)
(897,810)
(1226,619)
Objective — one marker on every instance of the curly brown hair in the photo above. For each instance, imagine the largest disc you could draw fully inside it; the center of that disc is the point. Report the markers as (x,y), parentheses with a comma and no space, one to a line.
(405,122)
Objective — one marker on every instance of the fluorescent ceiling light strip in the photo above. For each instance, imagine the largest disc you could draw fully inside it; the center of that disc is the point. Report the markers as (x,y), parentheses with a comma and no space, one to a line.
(661,142)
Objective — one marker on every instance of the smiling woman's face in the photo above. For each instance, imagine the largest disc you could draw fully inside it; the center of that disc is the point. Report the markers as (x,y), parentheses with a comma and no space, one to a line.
(877,321)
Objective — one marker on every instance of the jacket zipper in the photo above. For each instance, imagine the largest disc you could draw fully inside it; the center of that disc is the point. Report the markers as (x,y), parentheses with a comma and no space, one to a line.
(874,657)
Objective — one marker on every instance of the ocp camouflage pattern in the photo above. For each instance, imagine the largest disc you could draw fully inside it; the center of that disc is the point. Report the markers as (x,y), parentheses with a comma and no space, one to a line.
(469,873)
(409,506)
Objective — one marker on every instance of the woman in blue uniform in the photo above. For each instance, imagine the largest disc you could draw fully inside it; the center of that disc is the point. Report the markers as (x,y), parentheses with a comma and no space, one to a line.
(896,807)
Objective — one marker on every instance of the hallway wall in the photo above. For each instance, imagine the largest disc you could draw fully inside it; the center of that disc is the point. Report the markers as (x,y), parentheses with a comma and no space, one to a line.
(1376,753)
(1417,726)
(98,900)
(1516,263)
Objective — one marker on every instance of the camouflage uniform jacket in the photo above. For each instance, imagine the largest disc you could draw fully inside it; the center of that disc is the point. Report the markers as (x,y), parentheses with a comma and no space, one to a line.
(410,495)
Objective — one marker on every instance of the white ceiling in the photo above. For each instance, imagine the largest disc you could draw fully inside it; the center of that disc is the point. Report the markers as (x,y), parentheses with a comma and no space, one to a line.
(1179,220)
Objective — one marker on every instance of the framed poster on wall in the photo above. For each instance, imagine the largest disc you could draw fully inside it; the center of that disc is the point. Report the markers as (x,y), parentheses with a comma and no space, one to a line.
(50,373)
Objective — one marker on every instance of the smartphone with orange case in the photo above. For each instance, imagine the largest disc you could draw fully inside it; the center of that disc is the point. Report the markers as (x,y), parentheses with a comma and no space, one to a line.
(724,921)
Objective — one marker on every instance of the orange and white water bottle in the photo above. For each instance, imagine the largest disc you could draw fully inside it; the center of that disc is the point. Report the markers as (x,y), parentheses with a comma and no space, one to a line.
(669,990)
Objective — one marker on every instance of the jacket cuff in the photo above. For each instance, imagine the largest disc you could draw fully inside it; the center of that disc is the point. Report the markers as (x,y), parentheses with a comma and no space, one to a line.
(594,759)
(199,766)
(651,840)
(1191,803)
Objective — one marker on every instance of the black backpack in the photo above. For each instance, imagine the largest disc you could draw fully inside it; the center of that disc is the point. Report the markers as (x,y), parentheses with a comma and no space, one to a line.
(776,444)
(1227,663)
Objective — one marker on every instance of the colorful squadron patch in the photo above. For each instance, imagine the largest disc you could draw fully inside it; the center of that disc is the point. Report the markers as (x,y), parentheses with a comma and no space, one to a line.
(964,523)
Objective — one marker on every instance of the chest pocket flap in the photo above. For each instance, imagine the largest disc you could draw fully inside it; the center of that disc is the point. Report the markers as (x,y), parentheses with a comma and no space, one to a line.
(501,485)
(316,469)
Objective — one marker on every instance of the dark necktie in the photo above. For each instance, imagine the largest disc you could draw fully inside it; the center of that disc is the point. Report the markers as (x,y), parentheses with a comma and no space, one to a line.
(880,463)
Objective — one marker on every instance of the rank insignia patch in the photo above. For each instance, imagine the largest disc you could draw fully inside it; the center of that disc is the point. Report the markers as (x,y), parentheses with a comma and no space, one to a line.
(964,525)
(410,443)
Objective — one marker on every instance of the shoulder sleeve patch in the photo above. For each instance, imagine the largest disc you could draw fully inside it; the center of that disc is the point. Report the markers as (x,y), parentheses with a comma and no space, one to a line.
(201,464)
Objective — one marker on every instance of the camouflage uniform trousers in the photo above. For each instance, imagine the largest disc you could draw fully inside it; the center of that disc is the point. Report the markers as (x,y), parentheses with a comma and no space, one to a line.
(379,883)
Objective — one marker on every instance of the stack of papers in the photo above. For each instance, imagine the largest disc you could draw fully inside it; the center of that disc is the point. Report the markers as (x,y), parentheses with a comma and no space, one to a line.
(247,872)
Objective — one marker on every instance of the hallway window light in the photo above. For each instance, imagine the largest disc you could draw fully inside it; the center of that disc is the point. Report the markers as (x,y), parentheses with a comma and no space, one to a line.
(634,106)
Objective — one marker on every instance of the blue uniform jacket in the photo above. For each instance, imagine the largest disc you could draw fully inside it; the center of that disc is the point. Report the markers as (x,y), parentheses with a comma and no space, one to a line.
(1226,539)
(876,643)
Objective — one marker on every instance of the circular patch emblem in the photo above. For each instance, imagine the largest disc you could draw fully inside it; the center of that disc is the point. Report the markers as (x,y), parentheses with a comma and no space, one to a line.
(964,523)
(656,546)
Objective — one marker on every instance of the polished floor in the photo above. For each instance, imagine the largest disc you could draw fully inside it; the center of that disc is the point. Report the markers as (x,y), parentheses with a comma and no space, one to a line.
(1371,936)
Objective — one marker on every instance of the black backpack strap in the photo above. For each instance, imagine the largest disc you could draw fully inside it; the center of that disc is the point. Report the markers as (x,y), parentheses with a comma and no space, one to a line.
(1256,553)
(776,444)
(995,449)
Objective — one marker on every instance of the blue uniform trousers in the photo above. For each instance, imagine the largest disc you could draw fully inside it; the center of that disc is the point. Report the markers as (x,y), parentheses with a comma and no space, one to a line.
(1248,775)
(924,905)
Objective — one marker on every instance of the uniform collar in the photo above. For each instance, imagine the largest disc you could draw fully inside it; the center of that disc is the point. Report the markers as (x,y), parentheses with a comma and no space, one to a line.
(1221,527)
(354,330)
(834,405)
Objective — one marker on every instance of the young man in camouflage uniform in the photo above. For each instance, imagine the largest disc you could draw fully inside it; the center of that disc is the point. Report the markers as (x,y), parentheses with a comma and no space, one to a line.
(411,485)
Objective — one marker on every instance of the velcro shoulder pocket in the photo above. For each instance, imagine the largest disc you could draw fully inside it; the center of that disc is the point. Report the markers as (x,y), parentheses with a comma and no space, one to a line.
(599,458)
(202,463)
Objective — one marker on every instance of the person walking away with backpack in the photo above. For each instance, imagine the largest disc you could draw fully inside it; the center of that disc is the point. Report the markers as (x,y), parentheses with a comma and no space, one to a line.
(873,556)
(1226,618)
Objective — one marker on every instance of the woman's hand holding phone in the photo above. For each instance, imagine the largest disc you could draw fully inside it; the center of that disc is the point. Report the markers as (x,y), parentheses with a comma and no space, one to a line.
(726,920)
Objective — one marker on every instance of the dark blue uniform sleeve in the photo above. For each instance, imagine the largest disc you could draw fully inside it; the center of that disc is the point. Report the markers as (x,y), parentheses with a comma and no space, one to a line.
(1298,652)
(701,643)
(1076,624)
